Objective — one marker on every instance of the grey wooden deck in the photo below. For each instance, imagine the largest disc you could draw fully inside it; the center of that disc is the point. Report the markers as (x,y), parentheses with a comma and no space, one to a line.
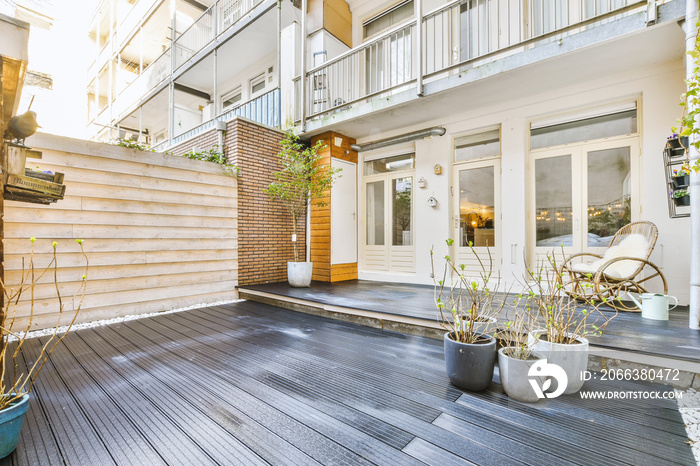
(248,383)
(626,332)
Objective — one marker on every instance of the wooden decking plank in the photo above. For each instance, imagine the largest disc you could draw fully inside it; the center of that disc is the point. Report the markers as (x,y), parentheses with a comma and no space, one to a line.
(155,426)
(119,434)
(337,422)
(215,443)
(75,433)
(387,384)
(263,442)
(650,435)
(432,455)
(618,445)
(313,385)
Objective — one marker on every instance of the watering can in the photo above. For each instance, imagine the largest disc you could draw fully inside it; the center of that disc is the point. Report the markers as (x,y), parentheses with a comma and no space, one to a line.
(654,305)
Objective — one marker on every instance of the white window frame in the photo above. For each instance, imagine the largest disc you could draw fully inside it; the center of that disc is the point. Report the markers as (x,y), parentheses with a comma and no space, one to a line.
(228,95)
(255,81)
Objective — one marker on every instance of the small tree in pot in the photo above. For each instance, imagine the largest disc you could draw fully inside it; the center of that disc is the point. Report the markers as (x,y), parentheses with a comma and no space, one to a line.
(301,182)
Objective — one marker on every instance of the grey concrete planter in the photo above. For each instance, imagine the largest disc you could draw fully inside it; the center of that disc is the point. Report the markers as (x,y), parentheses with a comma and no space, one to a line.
(299,273)
(470,366)
(573,358)
(514,376)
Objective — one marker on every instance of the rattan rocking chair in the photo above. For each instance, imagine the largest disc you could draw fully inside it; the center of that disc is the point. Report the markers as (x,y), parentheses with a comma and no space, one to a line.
(613,275)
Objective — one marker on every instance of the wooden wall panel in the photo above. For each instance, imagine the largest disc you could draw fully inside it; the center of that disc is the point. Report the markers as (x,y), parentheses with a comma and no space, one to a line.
(160,231)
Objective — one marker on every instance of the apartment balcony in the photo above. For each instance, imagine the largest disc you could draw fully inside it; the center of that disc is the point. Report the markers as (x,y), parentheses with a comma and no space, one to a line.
(464,42)
(217,24)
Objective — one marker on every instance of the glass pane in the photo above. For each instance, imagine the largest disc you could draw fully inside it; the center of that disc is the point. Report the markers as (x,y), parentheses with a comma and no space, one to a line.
(390,164)
(375,213)
(402,222)
(476,207)
(609,194)
(553,201)
(585,130)
(475,146)
(386,21)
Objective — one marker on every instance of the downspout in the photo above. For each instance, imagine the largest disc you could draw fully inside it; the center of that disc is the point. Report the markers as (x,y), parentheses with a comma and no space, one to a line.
(691,30)
(279,64)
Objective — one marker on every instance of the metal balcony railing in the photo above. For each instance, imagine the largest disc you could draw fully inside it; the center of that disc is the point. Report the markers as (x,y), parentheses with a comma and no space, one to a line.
(199,34)
(152,76)
(264,109)
(453,35)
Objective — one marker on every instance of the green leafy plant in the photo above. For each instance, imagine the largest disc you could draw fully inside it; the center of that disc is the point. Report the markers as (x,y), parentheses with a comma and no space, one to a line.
(680,193)
(14,383)
(690,101)
(131,144)
(468,305)
(566,316)
(684,170)
(302,181)
(214,155)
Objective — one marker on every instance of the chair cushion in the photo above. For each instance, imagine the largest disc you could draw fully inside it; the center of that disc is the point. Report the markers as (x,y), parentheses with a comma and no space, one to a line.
(635,245)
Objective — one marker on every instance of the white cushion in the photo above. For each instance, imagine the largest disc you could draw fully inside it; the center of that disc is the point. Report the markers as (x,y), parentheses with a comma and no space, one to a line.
(635,245)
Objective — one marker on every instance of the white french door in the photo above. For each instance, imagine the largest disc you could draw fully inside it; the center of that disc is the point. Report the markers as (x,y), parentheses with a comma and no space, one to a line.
(388,235)
(580,195)
(477,213)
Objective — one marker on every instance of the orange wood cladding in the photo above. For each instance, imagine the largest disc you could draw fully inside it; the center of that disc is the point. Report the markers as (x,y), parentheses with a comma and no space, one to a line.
(320,232)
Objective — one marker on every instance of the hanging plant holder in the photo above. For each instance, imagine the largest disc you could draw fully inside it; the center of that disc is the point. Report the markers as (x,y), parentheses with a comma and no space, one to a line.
(26,185)
(678,146)
(682,200)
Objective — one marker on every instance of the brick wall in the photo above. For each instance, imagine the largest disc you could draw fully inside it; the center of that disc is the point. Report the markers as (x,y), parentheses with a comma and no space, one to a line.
(264,227)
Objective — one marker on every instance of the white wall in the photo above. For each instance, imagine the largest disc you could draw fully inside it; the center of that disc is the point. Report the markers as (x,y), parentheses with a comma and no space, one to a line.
(658,89)
(243,78)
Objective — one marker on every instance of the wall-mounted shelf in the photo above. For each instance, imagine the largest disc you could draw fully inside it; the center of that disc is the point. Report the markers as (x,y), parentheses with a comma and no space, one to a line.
(674,158)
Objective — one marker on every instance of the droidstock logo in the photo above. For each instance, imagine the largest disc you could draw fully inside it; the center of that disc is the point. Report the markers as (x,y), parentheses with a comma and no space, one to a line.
(545,372)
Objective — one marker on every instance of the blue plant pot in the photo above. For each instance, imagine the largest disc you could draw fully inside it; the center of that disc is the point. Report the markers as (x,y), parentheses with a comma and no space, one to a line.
(10,424)
(470,366)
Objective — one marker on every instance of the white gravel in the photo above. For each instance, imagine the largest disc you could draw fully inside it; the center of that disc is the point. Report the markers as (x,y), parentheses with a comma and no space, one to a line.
(115,320)
(689,406)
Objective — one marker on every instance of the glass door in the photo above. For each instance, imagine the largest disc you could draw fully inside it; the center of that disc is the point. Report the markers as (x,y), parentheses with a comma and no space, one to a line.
(477,218)
(581,195)
(388,240)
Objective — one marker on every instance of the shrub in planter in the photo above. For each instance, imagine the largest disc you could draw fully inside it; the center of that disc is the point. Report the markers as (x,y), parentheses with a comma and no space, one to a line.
(468,307)
(567,320)
(516,357)
(681,197)
(15,384)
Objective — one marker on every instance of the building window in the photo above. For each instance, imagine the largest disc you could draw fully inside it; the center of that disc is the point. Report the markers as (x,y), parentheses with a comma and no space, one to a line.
(232,98)
(476,146)
(257,84)
(387,19)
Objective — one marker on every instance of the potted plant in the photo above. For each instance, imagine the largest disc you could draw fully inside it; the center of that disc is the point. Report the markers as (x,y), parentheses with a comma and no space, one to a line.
(681,197)
(302,181)
(677,144)
(681,178)
(516,356)
(468,307)
(16,384)
(567,320)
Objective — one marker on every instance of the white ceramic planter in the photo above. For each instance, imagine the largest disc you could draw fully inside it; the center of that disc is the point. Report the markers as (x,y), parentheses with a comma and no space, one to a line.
(514,376)
(573,358)
(299,273)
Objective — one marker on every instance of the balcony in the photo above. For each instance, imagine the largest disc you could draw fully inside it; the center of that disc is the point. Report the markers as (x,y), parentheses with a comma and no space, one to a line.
(455,37)
(264,109)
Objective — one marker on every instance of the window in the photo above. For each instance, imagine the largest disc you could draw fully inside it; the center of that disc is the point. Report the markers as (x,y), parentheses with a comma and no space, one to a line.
(597,127)
(257,84)
(390,164)
(476,146)
(387,19)
(232,98)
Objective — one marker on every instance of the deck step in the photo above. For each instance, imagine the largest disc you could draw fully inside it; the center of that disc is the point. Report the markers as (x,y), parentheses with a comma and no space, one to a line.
(600,357)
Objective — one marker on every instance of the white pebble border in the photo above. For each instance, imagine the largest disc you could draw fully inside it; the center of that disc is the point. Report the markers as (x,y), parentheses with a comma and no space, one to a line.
(689,406)
(116,320)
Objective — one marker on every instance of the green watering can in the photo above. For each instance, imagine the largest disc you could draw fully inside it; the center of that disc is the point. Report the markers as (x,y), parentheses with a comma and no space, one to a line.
(654,305)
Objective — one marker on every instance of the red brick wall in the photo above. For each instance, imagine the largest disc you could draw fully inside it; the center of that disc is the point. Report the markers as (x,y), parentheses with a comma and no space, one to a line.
(264,227)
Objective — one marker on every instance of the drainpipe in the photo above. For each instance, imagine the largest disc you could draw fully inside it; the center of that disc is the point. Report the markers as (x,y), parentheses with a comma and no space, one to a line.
(691,14)
(279,63)
(302,80)
(419,47)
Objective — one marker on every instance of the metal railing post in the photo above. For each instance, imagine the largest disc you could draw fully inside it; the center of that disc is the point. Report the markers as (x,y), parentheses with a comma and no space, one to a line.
(419,47)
